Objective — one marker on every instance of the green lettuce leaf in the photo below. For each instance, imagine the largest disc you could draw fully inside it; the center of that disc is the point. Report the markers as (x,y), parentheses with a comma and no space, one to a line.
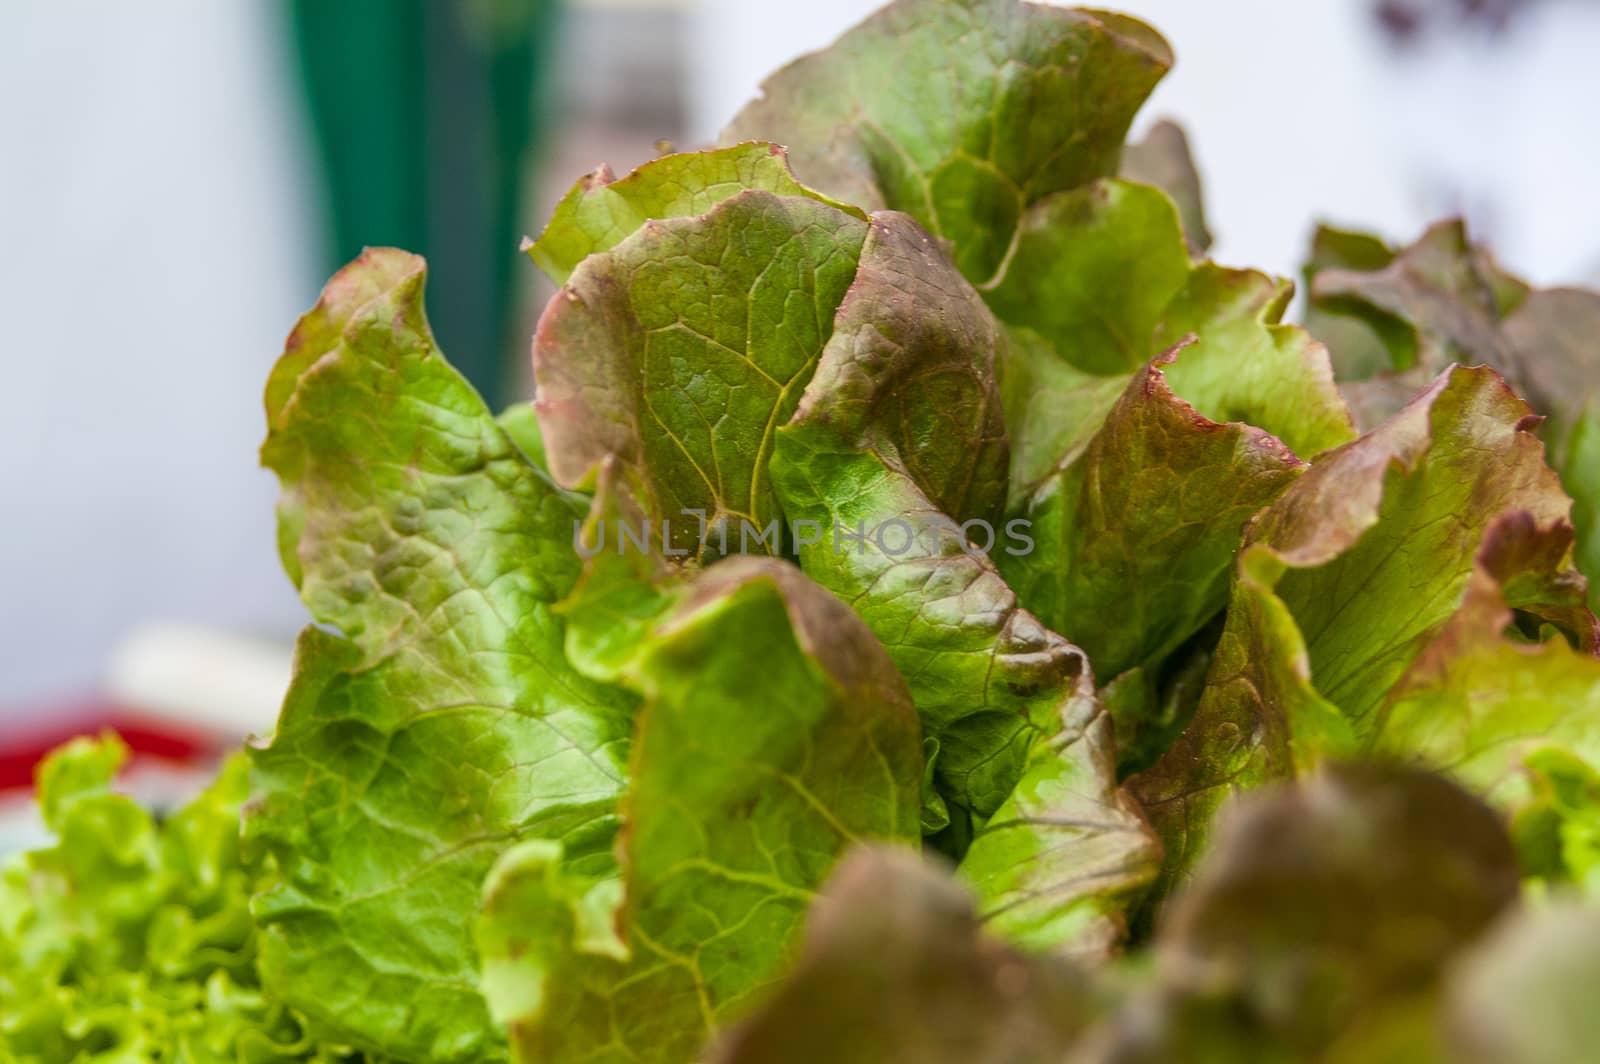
(601,211)
(1438,301)
(1531,567)
(1345,549)
(897,966)
(1138,465)
(1342,584)
(1091,273)
(1145,522)
(1518,722)
(681,349)
(129,939)
(774,733)
(1444,298)
(998,161)
(441,722)
(895,457)
(1103,280)
(877,363)
(961,113)
(933,389)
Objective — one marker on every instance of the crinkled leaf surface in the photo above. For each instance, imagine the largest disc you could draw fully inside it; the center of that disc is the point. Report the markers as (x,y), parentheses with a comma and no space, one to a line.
(1103,279)
(601,211)
(1092,271)
(1364,344)
(1136,534)
(909,364)
(681,350)
(441,722)
(1024,762)
(1322,903)
(961,113)
(1490,709)
(897,966)
(910,367)
(131,940)
(1376,545)
(1139,472)
(1341,585)
(774,733)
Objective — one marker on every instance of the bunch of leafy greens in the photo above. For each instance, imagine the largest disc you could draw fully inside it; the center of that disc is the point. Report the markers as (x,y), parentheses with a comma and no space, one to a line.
(131,939)
(915,485)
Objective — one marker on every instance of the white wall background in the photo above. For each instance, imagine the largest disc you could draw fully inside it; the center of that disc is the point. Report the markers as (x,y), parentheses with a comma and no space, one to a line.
(1296,112)
(155,247)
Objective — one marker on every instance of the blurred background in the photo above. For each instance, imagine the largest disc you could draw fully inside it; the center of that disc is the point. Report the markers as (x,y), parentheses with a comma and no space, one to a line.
(180,176)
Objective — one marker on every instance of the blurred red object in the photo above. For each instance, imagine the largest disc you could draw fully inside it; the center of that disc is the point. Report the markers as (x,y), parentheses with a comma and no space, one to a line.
(153,743)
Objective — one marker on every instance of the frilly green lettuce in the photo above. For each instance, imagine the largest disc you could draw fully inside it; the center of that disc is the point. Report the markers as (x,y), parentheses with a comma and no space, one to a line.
(130,939)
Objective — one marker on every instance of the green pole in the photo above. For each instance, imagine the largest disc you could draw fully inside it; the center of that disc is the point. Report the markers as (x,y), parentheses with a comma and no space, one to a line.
(425,121)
